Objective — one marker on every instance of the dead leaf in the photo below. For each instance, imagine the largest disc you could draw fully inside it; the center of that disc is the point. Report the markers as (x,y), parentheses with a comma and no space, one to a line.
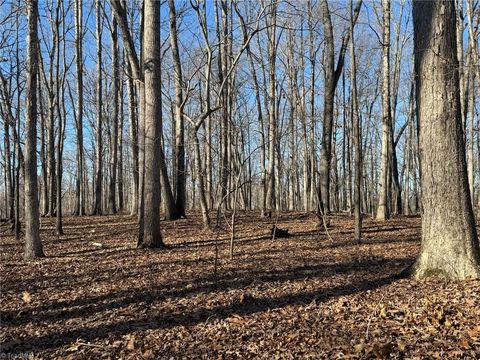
(26,297)
(131,343)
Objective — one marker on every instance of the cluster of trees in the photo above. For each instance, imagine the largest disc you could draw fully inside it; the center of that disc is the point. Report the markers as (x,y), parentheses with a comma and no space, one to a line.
(141,106)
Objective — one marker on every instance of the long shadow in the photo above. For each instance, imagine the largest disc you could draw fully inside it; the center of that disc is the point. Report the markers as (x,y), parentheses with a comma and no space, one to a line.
(169,320)
(227,281)
(51,281)
(220,241)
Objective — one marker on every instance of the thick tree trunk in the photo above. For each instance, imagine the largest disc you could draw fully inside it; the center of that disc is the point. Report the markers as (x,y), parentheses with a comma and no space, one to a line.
(450,246)
(33,245)
(152,237)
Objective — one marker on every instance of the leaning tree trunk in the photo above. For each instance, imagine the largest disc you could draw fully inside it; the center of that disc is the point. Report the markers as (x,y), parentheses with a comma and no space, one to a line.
(450,246)
(33,245)
(152,237)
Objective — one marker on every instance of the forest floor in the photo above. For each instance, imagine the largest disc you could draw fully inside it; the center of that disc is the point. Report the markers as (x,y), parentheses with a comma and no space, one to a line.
(300,297)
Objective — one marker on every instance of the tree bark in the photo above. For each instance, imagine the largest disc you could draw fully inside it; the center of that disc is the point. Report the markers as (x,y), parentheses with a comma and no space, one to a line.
(33,245)
(450,246)
(152,237)
(112,196)
(79,185)
(120,144)
(332,75)
(356,132)
(272,120)
(383,210)
(97,206)
(179,148)
(133,126)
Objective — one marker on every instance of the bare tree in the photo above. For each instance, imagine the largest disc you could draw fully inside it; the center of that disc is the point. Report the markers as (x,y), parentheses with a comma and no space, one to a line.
(152,237)
(112,207)
(272,115)
(356,130)
(33,245)
(383,210)
(179,148)
(97,206)
(332,75)
(79,184)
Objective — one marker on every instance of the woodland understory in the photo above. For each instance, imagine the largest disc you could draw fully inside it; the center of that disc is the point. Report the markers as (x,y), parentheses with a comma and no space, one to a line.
(239,179)
(96,296)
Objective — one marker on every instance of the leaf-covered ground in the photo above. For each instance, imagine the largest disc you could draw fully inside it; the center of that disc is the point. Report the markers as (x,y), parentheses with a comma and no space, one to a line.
(95,296)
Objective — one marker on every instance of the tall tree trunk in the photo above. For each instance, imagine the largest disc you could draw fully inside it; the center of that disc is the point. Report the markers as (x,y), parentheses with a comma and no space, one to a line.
(272,120)
(332,75)
(33,245)
(356,132)
(8,169)
(383,210)
(97,207)
(179,148)
(120,144)
(152,237)
(112,206)
(261,133)
(201,185)
(133,126)
(450,246)
(470,137)
(79,185)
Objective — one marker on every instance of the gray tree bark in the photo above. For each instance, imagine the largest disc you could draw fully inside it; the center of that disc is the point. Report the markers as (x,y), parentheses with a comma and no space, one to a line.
(152,237)
(97,206)
(33,245)
(383,210)
(179,148)
(112,196)
(450,246)
(79,185)
(332,75)
(356,132)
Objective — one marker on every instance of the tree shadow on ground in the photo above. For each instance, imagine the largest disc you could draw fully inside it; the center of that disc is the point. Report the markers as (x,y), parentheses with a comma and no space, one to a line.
(373,270)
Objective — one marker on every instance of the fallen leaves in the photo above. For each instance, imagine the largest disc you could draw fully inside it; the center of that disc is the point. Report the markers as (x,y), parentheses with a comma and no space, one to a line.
(300,297)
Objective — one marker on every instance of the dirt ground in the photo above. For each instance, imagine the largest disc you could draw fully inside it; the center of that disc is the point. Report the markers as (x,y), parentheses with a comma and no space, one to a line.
(95,296)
